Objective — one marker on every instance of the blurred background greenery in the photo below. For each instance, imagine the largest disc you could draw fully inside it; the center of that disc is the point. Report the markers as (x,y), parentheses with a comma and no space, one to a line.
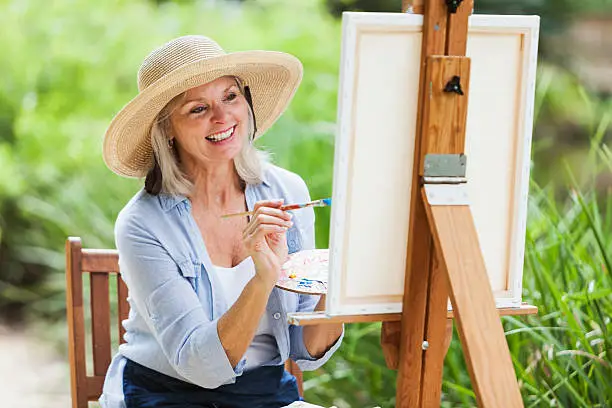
(67,66)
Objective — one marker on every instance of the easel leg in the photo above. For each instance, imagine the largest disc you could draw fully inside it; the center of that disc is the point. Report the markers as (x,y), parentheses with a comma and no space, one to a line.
(390,336)
(480,330)
(435,329)
(410,368)
(438,332)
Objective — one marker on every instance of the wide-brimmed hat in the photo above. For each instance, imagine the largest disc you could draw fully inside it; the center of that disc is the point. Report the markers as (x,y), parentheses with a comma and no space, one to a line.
(184,63)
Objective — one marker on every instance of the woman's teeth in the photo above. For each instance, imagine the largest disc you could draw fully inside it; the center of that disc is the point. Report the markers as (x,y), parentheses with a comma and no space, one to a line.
(221,136)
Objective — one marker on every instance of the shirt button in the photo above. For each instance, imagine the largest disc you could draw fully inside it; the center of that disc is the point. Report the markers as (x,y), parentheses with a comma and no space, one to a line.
(276,315)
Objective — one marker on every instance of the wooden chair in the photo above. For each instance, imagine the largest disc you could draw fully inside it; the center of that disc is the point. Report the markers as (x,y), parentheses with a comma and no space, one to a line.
(102,266)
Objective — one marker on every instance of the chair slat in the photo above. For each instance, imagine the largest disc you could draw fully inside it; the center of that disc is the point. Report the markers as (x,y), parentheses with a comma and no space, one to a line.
(100,260)
(100,322)
(76,322)
(94,387)
(293,368)
(124,306)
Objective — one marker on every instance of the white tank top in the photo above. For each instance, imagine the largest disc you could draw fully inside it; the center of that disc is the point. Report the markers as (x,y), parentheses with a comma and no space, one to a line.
(263,350)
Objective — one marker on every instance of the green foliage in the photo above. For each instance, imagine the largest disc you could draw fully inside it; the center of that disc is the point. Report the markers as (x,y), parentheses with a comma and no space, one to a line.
(66,68)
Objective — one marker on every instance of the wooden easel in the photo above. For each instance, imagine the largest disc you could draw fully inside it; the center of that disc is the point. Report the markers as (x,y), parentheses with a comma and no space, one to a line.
(443,255)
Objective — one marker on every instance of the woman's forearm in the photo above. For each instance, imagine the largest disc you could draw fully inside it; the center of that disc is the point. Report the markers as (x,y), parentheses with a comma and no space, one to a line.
(319,338)
(238,325)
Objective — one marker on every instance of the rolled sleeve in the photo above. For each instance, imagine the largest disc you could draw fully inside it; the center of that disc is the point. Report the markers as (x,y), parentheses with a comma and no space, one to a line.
(206,350)
(299,352)
(171,309)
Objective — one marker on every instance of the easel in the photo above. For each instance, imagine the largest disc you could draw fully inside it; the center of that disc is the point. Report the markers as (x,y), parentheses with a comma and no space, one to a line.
(443,255)
(443,236)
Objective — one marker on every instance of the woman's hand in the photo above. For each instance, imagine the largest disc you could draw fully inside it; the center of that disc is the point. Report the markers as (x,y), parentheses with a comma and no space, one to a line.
(265,239)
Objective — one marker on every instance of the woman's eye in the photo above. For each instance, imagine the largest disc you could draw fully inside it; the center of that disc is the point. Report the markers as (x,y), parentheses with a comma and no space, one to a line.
(199,109)
(231,96)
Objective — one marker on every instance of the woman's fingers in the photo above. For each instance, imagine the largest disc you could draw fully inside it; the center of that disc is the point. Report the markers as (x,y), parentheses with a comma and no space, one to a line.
(272,211)
(271,207)
(257,237)
(267,221)
(266,215)
(264,219)
(276,203)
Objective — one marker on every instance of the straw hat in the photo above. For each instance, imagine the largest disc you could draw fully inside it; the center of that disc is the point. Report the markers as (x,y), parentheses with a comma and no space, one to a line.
(184,63)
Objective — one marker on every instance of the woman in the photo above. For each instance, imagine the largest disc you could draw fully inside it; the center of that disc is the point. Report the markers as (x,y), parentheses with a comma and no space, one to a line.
(207,327)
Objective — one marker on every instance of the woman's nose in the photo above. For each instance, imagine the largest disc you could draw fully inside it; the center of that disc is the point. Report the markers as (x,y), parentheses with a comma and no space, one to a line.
(219,113)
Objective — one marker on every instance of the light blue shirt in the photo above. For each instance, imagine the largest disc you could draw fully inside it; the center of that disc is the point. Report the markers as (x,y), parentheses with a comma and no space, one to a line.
(175,303)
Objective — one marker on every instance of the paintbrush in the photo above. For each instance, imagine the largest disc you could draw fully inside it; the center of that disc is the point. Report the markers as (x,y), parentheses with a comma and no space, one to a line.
(323,202)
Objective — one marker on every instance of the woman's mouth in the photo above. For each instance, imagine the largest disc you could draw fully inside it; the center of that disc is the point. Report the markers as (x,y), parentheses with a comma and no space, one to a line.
(222,137)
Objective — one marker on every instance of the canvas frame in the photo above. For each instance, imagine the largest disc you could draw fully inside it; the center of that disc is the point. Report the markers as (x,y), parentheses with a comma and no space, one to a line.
(374,152)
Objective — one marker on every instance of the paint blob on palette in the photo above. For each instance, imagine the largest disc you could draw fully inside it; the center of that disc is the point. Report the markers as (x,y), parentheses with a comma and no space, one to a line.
(306,272)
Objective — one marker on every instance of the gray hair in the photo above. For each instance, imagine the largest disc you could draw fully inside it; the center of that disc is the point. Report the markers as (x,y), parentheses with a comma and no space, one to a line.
(249,163)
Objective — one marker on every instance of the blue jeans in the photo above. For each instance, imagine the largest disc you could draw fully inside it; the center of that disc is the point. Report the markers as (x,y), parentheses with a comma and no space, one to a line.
(269,387)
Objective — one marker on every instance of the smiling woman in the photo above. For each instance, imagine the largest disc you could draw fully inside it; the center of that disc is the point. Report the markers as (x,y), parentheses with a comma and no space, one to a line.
(191,108)
(207,325)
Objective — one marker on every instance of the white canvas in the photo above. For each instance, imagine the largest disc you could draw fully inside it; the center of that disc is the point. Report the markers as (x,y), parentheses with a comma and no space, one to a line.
(377,110)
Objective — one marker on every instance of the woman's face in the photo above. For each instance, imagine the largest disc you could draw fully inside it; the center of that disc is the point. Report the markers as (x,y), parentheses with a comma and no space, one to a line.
(211,122)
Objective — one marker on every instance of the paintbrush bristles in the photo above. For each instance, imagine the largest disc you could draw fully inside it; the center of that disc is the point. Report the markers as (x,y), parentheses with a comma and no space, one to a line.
(324,202)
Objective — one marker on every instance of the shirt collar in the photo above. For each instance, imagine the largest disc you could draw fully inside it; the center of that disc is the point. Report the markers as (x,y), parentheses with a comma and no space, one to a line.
(169,201)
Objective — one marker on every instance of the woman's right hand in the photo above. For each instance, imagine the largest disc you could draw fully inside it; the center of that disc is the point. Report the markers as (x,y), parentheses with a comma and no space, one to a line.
(266,241)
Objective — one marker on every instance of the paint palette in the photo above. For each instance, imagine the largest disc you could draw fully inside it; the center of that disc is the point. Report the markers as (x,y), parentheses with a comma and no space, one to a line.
(306,272)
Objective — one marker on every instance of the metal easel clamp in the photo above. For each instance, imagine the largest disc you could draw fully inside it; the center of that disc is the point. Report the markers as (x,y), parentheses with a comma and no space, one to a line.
(445,165)
(444,179)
